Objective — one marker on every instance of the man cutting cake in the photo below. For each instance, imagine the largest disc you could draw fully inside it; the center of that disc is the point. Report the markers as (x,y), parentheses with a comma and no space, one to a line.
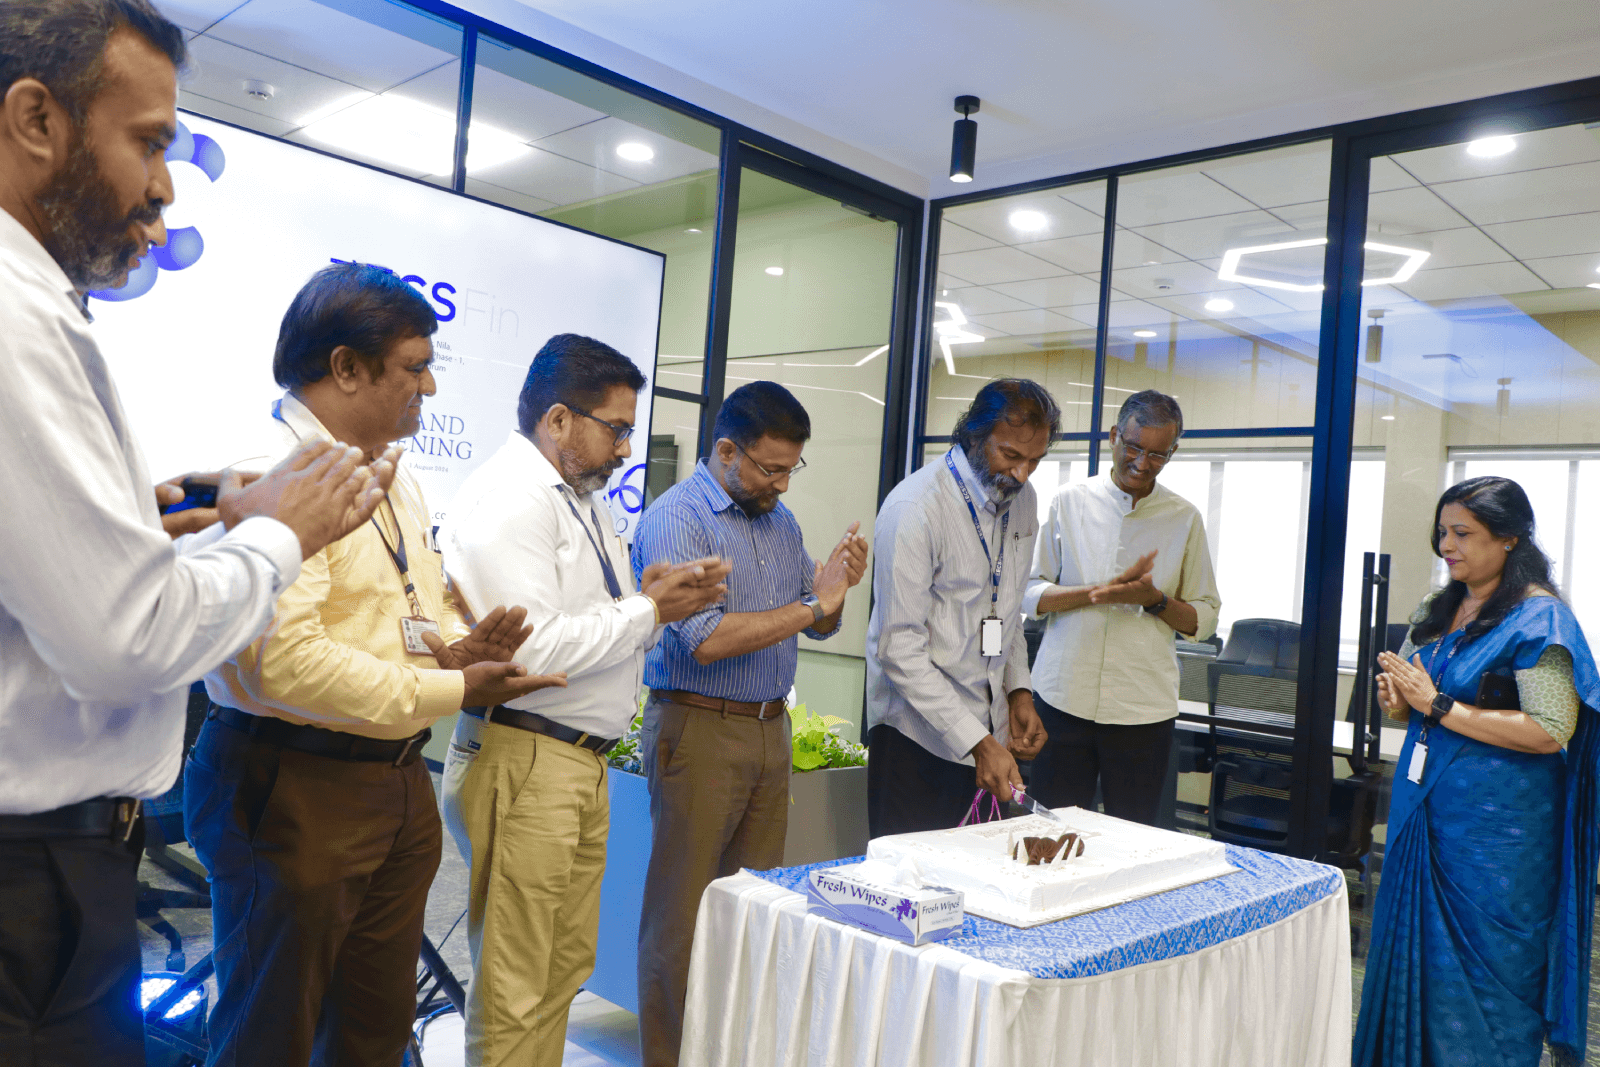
(949,704)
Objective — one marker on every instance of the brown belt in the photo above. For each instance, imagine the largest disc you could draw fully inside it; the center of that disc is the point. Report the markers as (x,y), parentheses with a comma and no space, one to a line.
(767,709)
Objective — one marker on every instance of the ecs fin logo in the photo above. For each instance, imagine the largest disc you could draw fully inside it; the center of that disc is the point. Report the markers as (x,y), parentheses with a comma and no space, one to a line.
(184,246)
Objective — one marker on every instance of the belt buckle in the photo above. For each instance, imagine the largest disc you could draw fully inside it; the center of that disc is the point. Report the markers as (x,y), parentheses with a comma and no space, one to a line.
(763,716)
(405,750)
(126,815)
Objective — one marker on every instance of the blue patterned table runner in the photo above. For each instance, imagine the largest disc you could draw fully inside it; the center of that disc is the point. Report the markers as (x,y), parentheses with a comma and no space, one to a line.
(1266,889)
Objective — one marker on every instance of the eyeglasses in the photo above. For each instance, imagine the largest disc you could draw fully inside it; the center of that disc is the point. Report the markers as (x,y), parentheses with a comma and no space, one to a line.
(1157,459)
(619,434)
(796,469)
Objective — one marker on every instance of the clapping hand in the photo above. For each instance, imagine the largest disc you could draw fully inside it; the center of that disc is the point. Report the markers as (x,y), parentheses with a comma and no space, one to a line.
(1402,684)
(190,520)
(843,569)
(1027,730)
(1132,586)
(322,491)
(495,639)
(682,589)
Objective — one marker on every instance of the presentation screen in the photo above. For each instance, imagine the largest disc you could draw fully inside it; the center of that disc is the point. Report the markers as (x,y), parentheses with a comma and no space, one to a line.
(190,337)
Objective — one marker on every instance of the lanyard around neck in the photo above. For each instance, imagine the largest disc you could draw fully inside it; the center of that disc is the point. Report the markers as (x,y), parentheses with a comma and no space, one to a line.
(612,585)
(397,552)
(996,563)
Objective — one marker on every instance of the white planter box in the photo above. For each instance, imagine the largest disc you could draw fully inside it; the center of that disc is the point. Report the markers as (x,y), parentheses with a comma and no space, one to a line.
(828,820)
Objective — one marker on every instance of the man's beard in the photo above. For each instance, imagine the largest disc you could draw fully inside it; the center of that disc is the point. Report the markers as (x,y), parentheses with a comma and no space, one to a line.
(85,235)
(754,505)
(1002,487)
(584,480)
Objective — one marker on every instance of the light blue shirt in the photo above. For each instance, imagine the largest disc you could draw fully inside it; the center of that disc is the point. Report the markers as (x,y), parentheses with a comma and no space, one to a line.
(771,568)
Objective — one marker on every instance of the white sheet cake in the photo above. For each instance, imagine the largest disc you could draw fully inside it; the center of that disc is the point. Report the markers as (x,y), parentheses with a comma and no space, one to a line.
(1121,861)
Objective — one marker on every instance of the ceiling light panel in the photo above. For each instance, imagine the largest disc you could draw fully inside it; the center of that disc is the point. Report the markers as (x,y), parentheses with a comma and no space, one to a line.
(992,218)
(1028,221)
(1492,147)
(595,144)
(411,136)
(1556,147)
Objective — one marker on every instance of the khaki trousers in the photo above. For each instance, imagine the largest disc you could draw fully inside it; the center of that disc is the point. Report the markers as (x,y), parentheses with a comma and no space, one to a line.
(530,815)
(719,801)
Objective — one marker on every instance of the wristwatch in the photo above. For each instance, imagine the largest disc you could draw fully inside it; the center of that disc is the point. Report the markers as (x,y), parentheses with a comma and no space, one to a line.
(1439,708)
(817,614)
(1158,607)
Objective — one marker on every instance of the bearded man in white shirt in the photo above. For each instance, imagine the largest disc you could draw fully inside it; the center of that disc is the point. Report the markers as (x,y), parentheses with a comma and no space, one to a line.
(1119,567)
(525,793)
(104,622)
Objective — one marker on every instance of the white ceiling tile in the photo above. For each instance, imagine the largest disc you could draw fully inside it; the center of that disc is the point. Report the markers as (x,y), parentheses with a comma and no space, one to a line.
(227,112)
(497,194)
(1247,304)
(1386,175)
(986,266)
(1272,179)
(1464,247)
(1210,237)
(1034,320)
(319,38)
(523,110)
(595,144)
(1568,272)
(954,238)
(1181,278)
(1564,235)
(1312,217)
(1058,292)
(1543,148)
(1124,314)
(1413,210)
(299,137)
(219,71)
(1532,194)
(980,300)
(439,88)
(554,178)
(1455,283)
(196,15)
(1076,254)
(1173,196)
(1063,218)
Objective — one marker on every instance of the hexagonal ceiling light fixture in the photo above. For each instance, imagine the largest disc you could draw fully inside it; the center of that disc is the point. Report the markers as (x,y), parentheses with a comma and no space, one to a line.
(1231,259)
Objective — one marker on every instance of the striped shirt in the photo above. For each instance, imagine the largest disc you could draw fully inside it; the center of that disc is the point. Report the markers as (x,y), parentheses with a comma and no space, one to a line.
(694,519)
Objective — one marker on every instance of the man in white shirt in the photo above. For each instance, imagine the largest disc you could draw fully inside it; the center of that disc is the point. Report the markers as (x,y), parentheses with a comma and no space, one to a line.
(949,705)
(525,793)
(104,622)
(1120,565)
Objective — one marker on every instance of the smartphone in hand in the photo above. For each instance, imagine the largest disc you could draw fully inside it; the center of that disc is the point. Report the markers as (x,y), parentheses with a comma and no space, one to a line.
(198,492)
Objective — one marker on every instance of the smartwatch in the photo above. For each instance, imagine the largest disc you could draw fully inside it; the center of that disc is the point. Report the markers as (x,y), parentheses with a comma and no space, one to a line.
(1439,708)
(1158,607)
(817,614)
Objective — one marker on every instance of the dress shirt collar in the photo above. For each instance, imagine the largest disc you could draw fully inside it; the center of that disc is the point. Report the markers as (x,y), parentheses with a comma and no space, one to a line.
(711,489)
(1126,500)
(539,469)
(292,412)
(15,237)
(984,496)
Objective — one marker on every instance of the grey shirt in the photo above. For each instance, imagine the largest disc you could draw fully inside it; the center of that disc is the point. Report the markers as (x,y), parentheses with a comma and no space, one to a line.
(931,591)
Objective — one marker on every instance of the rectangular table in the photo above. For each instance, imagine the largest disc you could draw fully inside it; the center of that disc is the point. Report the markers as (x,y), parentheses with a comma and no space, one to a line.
(1250,969)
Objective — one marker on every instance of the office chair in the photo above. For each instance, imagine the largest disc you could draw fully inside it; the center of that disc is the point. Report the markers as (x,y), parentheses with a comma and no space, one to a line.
(1253,678)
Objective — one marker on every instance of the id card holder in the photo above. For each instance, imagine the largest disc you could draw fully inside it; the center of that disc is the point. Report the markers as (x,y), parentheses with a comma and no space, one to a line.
(1419,758)
(989,637)
(412,627)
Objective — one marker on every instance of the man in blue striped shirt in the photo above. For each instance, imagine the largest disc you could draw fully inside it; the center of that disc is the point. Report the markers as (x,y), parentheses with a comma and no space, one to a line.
(715,741)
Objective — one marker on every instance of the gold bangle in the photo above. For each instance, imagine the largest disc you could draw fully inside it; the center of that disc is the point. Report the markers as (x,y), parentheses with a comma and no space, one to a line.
(653,606)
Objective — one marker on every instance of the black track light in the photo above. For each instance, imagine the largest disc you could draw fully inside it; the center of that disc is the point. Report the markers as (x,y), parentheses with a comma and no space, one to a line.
(964,146)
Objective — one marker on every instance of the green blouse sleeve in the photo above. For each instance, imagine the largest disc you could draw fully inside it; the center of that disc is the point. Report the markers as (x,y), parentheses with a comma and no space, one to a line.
(1548,695)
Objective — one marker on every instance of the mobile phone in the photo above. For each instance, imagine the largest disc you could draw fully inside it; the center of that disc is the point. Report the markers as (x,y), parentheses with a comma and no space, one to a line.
(197,493)
(1498,692)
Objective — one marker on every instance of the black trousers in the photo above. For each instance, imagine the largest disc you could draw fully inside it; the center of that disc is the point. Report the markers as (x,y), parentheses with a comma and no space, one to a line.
(320,871)
(910,789)
(69,952)
(1128,762)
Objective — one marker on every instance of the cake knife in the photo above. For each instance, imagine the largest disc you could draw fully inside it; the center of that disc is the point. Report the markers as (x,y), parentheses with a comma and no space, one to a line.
(1034,806)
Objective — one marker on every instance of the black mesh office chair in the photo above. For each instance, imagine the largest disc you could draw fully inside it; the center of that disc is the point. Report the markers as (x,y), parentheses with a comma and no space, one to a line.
(1254,678)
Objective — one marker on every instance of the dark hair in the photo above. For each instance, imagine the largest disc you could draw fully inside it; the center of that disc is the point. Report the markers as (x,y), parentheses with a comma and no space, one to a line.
(63,44)
(574,370)
(1017,400)
(761,409)
(1503,508)
(365,308)
(1151,408)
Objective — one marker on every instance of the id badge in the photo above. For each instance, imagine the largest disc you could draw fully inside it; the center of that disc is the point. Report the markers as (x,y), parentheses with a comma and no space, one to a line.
(989,637)
(1419,757)
(412,627)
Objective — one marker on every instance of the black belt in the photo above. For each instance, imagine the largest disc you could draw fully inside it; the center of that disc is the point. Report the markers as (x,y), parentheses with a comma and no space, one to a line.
(538,724)
(102,817)
(333,744)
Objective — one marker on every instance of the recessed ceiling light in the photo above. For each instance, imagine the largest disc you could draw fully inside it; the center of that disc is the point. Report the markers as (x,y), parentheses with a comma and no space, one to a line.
(1144,333)
(1489,147)
(1386,418)
(692,229)
(634,152)
(1219,304)
(1593,285)
(1028,221)
(394,130)
(775,271)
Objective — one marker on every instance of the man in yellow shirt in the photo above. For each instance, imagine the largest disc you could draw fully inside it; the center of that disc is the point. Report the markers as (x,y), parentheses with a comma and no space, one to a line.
(305,794)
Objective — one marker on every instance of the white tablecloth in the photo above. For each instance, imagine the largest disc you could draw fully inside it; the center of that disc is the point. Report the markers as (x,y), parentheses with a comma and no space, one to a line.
(770,986)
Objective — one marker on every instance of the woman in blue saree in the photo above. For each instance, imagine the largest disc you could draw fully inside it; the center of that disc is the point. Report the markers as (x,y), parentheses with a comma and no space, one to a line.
(1480,933)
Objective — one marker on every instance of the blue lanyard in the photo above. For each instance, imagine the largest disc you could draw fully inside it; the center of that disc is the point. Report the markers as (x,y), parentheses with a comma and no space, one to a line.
(996,563)
(612,585)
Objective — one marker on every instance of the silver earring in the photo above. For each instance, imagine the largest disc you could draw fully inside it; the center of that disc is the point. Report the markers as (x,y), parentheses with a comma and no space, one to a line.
(1508,548)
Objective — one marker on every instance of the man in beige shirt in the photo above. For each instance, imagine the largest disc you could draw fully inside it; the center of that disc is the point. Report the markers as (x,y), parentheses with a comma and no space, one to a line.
(305,794)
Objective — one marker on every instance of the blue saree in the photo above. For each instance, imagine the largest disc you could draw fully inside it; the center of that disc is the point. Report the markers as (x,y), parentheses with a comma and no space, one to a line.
(1480,934)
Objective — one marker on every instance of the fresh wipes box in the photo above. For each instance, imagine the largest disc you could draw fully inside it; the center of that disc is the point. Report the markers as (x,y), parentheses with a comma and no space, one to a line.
(886,900)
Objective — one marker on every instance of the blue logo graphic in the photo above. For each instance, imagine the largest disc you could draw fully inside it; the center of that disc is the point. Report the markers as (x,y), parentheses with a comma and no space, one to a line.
(184,246)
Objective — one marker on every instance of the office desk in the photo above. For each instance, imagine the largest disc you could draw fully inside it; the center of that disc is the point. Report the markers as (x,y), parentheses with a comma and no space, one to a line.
(1391,738)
